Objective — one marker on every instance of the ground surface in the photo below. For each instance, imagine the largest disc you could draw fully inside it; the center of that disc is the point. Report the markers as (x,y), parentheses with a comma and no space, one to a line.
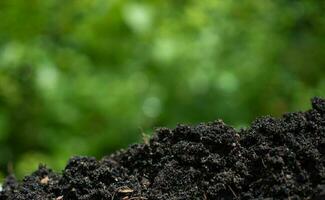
(273,159)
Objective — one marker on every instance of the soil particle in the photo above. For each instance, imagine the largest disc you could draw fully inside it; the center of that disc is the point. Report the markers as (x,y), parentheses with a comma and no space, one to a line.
(275,158)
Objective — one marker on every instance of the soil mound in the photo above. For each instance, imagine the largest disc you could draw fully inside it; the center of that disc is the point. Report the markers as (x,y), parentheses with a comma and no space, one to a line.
(275,158)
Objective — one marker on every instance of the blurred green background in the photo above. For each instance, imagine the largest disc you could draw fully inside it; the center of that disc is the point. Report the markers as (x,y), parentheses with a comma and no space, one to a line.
(90,76)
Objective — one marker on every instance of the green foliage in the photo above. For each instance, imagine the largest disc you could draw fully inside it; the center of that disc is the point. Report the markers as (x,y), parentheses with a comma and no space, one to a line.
(86,76)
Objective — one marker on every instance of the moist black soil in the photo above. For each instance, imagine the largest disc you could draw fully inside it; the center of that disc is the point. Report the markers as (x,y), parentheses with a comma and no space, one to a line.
(275,158)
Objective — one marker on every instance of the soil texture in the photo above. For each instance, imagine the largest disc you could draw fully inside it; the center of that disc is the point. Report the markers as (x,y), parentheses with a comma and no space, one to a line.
(274,158)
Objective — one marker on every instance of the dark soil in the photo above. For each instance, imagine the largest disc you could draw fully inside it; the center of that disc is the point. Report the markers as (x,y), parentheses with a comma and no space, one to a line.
(273,159)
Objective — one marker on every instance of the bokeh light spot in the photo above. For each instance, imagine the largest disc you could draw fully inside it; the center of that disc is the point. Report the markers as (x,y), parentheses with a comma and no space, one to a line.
(151,107)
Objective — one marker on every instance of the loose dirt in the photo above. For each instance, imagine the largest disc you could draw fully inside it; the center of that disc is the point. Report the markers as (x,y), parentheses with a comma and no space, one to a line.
(275,158)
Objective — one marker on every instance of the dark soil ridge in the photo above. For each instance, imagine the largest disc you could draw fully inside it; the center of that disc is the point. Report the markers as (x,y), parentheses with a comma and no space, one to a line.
(275,158)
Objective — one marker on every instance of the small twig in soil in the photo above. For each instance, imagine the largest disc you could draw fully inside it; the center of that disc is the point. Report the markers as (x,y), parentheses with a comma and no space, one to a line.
(59,198)
(263,163)
(122,189)
(205,196)
(139,198)
(233,192)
